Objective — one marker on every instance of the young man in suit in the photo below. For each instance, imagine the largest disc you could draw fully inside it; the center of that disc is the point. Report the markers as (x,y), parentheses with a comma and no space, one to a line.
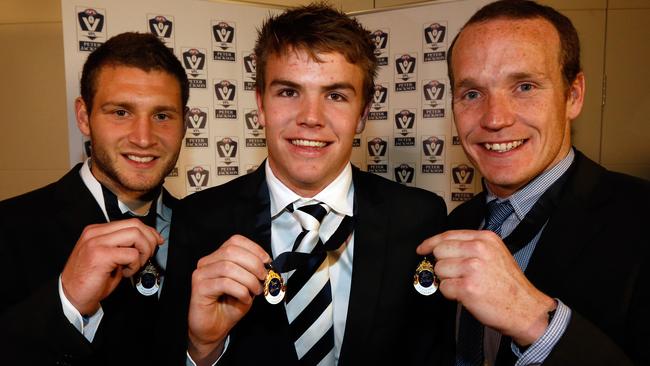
(559,274)
(72,270)
(349,284)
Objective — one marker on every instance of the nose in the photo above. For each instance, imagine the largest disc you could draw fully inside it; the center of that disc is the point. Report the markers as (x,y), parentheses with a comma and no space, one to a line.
(141,133)
(310,113)
(498,112)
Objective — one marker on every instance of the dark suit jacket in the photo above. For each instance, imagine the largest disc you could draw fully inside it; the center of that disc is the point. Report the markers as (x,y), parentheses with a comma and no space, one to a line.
(387,321)
(38,230)
(594,256)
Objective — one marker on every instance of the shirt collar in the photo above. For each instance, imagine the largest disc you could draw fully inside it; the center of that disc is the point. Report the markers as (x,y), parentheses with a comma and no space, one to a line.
(338,195)
(524,199)
(95,189)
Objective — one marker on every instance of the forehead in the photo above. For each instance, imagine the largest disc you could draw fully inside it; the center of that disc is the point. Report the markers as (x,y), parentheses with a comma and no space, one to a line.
(507,41)
(299,64)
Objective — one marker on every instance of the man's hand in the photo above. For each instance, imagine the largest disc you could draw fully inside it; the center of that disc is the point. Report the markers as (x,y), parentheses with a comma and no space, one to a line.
(476,269)
(223,287)
(102,256)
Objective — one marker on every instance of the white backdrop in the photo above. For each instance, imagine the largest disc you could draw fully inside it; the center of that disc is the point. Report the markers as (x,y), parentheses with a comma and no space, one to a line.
(409,137)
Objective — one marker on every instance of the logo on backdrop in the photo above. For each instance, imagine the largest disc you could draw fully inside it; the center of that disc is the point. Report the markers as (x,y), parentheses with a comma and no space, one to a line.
(250,64)
(405,72)
(378,155)
(194,64)
(227,160)
(435,41)
(433,99)
(162,26)
(379,104)
(462,179)
(197,127)
(405,174)
(198,178)
(91,28)
(225,92)
(433,148)
(253,130)
(405,128)
(223,41)
(380,40)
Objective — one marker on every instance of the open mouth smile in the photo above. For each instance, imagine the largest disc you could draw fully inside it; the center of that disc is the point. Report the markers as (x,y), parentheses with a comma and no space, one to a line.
(502,147)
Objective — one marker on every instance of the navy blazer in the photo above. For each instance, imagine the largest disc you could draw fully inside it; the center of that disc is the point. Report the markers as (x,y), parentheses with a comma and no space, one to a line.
(388,322)
(593,255)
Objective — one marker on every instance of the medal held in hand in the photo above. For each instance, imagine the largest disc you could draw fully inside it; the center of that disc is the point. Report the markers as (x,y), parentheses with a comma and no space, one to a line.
(425,281)
(147,281)
(274,288)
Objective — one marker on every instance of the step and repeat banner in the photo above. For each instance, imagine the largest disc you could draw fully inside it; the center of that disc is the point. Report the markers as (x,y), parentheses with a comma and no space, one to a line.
(409,137)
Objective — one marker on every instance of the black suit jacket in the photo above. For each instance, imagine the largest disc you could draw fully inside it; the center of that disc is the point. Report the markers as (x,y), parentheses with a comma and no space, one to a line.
(38,231)
(387,320)
(594,256)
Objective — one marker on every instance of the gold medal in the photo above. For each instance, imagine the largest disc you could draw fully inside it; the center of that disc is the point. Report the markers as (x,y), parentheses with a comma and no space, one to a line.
(425,280)
(274,287)
(148,279)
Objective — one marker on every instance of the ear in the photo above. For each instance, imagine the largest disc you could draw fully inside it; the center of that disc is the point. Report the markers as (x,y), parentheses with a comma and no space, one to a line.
(83,118)
(575,96)
(362,120)
(260,107)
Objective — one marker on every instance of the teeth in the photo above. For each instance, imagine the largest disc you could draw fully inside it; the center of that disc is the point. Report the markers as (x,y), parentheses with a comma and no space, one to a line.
(308,143)
(503,147)
(140,159)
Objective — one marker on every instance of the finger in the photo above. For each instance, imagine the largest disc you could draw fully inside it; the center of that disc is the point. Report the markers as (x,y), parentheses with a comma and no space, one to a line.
(227,269)
(427,246)
(95,230)
(237,254)
(250,246)
(217,287)
(129,237)
(127,260)
(457,267)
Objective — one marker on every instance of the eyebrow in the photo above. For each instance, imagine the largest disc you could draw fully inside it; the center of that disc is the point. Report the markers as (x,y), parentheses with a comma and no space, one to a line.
(333,86)
(471,82)
(131,106)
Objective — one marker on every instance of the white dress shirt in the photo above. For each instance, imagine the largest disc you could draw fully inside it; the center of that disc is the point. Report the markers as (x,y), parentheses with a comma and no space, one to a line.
(88,325)
(339,196)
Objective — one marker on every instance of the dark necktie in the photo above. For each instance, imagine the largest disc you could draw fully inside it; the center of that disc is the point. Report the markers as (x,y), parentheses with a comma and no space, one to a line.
(309,293)
(114,213)
(469,350)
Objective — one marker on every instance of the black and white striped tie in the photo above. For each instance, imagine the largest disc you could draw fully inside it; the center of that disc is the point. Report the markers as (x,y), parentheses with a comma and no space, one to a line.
(309,294)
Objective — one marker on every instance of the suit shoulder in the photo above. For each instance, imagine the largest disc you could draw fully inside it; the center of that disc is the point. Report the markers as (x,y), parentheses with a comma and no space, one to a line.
(223,192)
(28,201)
(406,194)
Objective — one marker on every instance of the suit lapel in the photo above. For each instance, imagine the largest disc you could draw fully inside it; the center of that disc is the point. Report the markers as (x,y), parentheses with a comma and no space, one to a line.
(468,215)
(370,233)
(575,221)
(76,206)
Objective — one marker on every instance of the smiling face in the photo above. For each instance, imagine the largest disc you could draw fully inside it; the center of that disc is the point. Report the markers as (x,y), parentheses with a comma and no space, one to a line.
(311,111)
(136,128)
(512,108)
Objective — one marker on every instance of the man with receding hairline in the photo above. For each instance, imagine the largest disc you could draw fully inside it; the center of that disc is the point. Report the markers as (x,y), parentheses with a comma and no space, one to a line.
(558,273)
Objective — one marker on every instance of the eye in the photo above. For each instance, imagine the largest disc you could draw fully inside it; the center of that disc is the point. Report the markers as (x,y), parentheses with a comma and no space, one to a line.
(337,97)
(161,117)
(288,93)
(525,87)
(471,95)
(120,113)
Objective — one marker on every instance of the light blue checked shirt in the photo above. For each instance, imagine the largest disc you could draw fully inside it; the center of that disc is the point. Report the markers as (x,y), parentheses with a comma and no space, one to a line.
(522,201)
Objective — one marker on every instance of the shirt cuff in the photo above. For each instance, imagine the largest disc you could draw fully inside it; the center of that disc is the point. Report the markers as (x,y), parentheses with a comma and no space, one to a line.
(190,362)
(538,351)
(86,325)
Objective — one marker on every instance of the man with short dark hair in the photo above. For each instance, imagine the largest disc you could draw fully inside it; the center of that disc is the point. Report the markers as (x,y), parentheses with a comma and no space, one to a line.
(559,272)
(96,302)
(309,260)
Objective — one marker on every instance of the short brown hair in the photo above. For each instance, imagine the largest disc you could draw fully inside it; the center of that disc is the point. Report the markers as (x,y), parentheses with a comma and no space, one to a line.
(317,28)
(140,50)
(524,9)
